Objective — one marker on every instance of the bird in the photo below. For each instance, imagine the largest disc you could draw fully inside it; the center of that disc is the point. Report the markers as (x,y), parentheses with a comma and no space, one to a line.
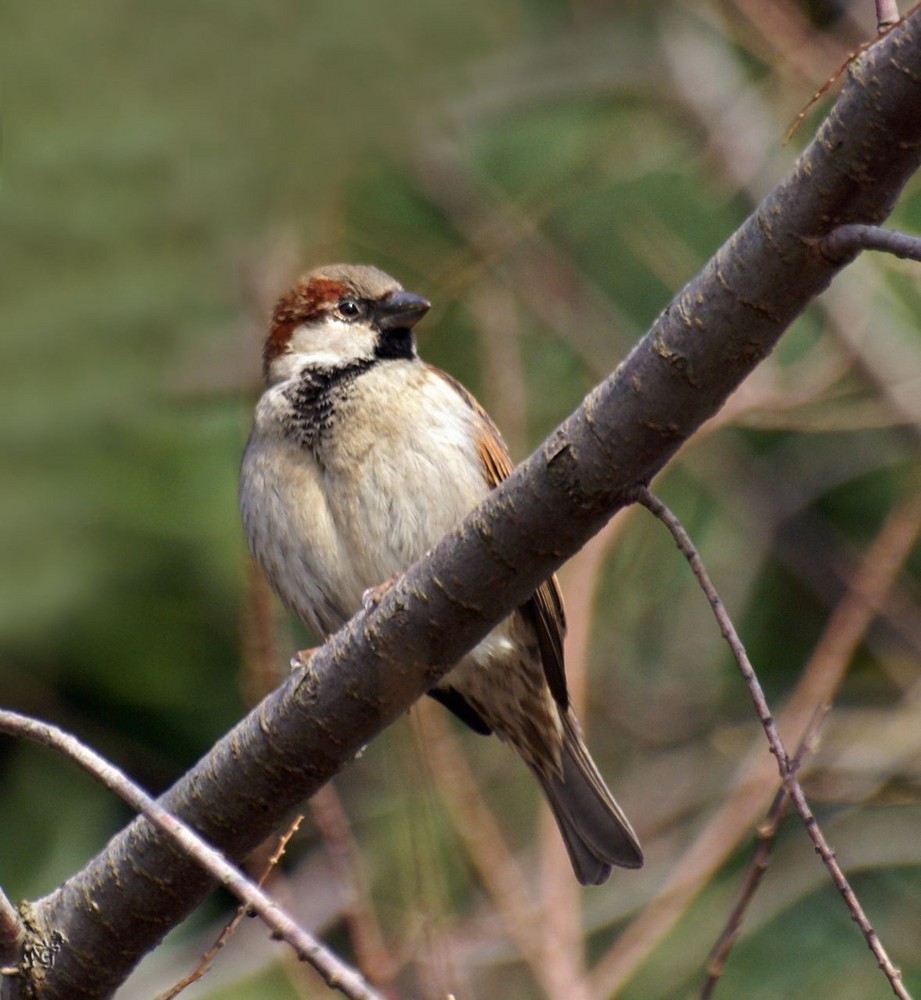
(361,457)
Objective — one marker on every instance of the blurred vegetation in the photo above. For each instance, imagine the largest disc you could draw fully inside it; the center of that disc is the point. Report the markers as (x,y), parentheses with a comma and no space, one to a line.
(549,173)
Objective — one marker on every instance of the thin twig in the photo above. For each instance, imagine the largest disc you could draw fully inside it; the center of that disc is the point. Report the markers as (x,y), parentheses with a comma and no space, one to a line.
(839,72)
(207,960)
(372,956)
(887,15)
(259,643)
(844,241)
(335,973)
(843,633)
(561,921)
(498,331)
(12,933)
(757,866)
(766,835)
(486,846)
(869,589)
(787,771)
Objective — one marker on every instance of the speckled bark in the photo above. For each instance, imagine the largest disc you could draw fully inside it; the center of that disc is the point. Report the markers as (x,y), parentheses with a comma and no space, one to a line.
(703,345)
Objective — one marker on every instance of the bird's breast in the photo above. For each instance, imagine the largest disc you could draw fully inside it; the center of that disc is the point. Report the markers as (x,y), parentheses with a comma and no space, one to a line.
(401,467)
(395,469)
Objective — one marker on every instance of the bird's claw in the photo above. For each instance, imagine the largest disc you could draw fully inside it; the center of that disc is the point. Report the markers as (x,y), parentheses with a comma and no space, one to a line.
(374,595)
(302,657)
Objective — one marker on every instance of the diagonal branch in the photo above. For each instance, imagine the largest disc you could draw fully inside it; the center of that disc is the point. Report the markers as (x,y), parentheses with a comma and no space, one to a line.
(12,931)
(336,973)
(697,352)
(786,764)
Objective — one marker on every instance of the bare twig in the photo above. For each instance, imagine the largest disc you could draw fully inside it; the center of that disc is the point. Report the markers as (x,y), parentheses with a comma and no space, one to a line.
(845,241)
(258,638)
(824,89)
(561,922)
(785,766)
(868,590)
(335,973)
(485,843)
(757,866)
(12,932)
(498,327)
(371,953)
(843,632)
(766,835)
(887,15)
(211,954)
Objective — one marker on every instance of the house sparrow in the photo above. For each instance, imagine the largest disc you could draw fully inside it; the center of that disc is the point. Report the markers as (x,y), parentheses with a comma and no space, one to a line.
(360,459)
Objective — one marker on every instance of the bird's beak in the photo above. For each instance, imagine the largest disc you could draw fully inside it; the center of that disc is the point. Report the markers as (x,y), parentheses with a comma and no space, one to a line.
(401,311)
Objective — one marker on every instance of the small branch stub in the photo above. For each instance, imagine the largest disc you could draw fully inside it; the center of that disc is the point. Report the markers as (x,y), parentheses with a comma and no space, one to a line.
(845,242)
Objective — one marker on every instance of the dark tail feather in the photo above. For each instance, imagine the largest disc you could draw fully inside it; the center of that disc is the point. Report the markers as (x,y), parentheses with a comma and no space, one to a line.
(595,830)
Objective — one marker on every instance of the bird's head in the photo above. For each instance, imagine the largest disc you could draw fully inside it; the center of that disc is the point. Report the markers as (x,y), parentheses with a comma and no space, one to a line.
(338,315)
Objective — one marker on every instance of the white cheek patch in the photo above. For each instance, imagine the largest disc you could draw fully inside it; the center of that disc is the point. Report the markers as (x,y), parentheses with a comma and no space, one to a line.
(319,359)
(324,345)
(331,342)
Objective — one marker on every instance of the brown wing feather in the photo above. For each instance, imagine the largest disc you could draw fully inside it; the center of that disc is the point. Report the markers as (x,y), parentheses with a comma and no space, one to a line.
(545,608)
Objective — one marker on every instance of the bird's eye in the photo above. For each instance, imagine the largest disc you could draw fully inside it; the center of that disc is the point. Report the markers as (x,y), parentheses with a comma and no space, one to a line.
(349,308)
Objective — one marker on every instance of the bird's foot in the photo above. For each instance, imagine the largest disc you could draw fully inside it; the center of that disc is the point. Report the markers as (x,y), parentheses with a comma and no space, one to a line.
(374,595)
(302,657)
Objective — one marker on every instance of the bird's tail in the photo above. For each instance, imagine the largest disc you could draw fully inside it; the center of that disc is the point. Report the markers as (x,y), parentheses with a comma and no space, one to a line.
(595,830)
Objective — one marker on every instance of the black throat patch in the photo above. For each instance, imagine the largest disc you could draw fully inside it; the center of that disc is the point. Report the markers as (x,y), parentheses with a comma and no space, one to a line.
(314,396)
(394,345)
(316,393)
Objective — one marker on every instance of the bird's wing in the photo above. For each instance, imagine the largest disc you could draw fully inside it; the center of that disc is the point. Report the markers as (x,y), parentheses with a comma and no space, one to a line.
(545,607)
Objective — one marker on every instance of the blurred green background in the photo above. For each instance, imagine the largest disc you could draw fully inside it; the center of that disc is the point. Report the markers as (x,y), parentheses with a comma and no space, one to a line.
(549,174)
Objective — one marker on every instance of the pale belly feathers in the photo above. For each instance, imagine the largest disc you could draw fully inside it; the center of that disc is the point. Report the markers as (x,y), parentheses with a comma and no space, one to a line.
(383,492)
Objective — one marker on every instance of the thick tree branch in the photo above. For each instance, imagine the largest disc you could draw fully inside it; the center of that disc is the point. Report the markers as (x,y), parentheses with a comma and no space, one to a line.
(698,351)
